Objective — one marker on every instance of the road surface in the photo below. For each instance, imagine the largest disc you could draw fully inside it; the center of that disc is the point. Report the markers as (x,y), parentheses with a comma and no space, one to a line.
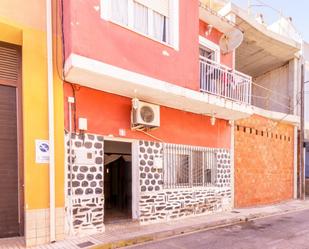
(278,232)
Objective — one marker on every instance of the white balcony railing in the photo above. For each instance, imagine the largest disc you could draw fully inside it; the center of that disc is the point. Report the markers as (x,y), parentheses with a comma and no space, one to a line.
(222,81)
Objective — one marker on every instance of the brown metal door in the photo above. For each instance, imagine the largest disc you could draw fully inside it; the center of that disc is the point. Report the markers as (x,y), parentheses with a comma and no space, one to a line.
(9,196)
(9,224)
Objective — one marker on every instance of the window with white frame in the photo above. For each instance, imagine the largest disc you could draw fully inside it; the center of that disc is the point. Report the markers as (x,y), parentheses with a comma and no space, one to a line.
(209,50)
(188,166)
(156,19)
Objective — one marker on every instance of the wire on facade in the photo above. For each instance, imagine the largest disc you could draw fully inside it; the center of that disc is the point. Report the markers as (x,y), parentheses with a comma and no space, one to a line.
(150,135)
(268,89)
(287,114)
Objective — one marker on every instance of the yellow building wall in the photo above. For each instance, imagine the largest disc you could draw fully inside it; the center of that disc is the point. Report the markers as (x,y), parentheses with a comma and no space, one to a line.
(23,23)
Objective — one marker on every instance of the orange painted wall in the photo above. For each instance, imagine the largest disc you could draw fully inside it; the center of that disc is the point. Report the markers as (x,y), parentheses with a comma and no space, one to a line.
(107,113)
(263,164)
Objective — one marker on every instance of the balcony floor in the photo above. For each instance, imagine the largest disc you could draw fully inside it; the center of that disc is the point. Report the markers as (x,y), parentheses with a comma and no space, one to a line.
(98,75)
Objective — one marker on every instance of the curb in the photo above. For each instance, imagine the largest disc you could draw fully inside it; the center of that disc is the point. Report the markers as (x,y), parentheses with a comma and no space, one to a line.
(191,229)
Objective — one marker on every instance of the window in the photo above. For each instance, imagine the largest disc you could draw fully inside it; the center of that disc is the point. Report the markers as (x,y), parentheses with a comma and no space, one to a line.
(209,50)
(151,18)
(207,53)
(141,22)
(188,166)
(119,12)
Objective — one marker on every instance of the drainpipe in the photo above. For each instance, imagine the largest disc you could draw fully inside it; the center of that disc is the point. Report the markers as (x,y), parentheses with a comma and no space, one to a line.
(301,139)
(295,160)
(50,82)
(232,155)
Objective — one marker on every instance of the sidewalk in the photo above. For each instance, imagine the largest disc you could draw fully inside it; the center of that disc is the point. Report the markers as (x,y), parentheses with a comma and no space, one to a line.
(129,234)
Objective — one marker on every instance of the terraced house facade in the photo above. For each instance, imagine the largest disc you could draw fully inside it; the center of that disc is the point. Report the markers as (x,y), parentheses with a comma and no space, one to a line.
(150,111)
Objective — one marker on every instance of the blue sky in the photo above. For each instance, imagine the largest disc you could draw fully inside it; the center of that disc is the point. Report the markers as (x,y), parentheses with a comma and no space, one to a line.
(297,9)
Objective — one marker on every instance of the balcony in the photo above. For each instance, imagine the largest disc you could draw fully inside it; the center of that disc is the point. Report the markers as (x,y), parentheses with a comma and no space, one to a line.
(224,82)
(230,102)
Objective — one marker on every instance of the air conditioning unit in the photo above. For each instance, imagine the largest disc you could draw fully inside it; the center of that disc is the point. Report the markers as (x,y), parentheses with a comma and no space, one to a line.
(144,116)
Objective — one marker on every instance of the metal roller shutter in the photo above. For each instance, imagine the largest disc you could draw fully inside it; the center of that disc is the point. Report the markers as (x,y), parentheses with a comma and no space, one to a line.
(9,65)
(9,76)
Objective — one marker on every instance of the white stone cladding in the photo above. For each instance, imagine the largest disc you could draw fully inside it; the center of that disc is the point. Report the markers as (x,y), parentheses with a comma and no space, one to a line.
(85,198)
(158,204)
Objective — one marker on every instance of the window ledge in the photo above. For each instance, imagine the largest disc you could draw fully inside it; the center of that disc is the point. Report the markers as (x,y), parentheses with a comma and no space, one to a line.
(212,187)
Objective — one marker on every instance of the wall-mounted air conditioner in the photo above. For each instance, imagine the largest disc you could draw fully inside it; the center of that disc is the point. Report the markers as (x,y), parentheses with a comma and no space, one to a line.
(144,115)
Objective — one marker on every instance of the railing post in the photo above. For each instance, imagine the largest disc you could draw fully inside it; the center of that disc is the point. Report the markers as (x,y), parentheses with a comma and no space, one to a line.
(217,79)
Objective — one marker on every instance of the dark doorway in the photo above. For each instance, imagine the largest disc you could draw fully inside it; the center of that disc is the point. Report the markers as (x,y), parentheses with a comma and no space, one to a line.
(117,181)
(9,222)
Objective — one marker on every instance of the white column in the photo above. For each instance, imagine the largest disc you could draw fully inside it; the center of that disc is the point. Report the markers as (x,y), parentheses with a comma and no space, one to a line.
(50,82)
(232,163)
(295,161)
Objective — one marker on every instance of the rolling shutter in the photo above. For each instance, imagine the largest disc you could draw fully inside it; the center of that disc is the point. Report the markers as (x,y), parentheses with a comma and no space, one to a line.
(9,225)
(160,6)
(9,176)
(9,65)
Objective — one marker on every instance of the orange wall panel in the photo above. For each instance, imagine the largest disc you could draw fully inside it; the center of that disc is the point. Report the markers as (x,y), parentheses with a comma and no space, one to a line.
(107,113)
(264,156)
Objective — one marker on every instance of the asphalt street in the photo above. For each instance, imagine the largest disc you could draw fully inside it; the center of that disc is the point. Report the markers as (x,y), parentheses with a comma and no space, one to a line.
(278,232)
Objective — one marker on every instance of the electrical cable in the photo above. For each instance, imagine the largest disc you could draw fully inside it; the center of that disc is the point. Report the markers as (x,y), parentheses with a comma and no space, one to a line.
(60,75)
(287,114)
(268,89)
(62,39)
(150,135)
(263,4)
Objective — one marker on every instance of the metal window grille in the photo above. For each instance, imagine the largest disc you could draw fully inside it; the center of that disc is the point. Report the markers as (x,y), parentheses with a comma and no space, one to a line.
(188,166)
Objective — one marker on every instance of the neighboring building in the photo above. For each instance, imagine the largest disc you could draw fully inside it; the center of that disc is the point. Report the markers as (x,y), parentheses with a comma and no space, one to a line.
(306,67)
(265,143)
(24,198)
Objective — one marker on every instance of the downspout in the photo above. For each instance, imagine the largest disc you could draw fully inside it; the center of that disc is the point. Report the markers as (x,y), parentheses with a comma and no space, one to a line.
(50,82)
(232,156)
(295,160)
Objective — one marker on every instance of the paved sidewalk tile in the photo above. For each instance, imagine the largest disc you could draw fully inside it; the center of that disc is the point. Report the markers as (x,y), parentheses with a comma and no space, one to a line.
(126,234)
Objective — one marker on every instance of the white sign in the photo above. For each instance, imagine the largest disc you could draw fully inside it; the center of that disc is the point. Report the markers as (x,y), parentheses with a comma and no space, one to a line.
(41,151)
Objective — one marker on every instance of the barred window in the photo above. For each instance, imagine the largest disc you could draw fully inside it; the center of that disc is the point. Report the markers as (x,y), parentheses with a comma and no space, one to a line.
(188,166)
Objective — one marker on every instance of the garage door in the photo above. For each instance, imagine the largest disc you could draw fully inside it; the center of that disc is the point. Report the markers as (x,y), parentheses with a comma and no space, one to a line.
(8,163)
(9,223)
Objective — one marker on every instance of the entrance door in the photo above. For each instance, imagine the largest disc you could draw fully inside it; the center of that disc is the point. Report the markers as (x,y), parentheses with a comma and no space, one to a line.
(117,181)
(9,224)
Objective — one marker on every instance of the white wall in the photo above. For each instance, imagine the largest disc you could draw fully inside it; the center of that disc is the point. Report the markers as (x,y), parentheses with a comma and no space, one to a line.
(307,84)
(306,57)
(280,82)
(307,92)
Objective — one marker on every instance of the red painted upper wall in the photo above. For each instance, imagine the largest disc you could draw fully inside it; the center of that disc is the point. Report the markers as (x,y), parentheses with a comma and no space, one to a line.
(214,36)
(87,34)
(107,113)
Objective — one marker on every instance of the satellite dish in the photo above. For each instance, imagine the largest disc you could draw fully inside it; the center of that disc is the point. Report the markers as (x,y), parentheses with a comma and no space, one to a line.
(230,41)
